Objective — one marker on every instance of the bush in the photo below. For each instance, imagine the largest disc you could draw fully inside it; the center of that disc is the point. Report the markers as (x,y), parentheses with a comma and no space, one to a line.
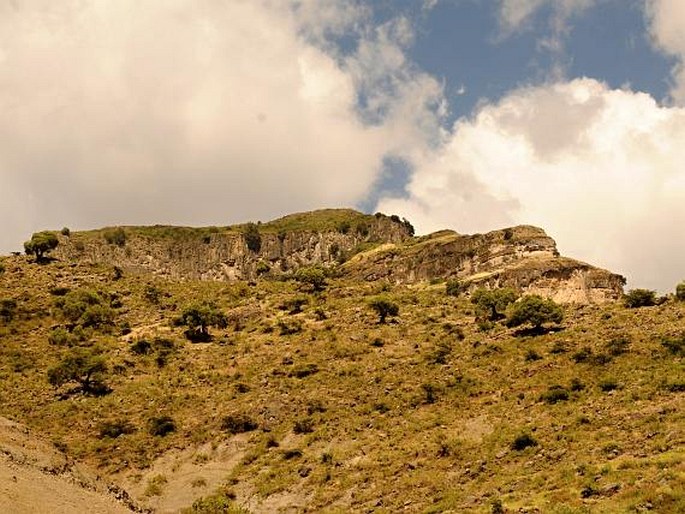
(86,308)
(535,311)
(680,292)
(238,424)
(294,305)
(384,307)
(618,346)
(114,429)
(523,441)
(8,309)
(639,298)
(40,244)
(116,236)
(554,394)
(314,278)
(86,367)
(453,287)
(65,231)
(675,346)
(199,317)
(161,426)
(61,337)
(304,426)
(2,268)
(492,303)
(262,268)
(253,239)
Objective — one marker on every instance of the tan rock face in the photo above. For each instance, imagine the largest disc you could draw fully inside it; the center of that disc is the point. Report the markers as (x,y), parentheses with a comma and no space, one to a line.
(197,254)
(522,257)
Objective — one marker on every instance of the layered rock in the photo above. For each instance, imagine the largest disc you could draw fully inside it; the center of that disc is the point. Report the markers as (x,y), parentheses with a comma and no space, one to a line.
(522,257)
(381,248)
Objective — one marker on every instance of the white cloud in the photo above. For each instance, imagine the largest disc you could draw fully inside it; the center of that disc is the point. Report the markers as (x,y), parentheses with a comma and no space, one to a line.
(196,112)
(599,169)
(667,24)
(515,14)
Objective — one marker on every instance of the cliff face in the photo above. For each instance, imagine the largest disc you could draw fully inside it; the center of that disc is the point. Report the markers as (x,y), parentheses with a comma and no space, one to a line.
(375,248)
(223,254)
(522,257)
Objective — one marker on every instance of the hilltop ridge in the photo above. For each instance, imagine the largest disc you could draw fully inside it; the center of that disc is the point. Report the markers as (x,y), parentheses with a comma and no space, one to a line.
(369,247)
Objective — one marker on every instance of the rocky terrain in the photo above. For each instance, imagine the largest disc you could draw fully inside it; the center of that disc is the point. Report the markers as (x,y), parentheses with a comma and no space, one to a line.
(377,248)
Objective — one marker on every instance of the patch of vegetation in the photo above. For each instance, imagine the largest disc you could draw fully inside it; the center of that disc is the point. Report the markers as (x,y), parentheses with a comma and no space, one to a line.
(199,317)
(115,236)
(84,366)
(384,308)
(454,287)
(535,311)
(640,298)
(491,304)
(523,441)
(253,239)
(161,426)
(40,244)
(313,278)
(238,423)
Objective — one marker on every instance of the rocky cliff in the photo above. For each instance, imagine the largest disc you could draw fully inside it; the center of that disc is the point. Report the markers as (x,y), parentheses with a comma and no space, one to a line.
(522,257)
(239,252)
(375,247)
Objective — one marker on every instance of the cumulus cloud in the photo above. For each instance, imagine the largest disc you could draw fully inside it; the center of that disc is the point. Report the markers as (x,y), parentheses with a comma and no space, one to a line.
(667,25)
(196,112)
(600,169)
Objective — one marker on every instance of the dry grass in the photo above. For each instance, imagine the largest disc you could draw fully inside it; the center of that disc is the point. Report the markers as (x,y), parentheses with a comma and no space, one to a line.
(356,416)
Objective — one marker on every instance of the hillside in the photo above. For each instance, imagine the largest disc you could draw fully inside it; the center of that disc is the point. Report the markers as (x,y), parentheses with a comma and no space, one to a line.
(301,401)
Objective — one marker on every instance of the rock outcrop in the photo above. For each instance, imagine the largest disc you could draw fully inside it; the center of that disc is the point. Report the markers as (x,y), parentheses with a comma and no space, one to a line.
(372,248)
(522,257)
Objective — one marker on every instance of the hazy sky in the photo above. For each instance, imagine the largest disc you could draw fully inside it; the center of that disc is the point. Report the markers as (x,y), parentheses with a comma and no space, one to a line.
(463,114)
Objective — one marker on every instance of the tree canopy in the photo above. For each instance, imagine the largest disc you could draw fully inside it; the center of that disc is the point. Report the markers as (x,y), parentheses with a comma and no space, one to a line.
(40,244)
(535,311)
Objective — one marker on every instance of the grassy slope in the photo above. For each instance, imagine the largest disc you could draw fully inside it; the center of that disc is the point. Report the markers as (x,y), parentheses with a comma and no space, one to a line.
(377,441)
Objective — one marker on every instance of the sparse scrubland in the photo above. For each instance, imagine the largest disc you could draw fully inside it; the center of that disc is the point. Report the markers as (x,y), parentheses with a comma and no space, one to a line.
(325,394)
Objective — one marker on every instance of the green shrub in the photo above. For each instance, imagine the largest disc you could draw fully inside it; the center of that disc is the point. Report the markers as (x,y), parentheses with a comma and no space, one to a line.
(523,441)
(199,317)
(238,423)
(384,307)
(86,367)
(40,244)
(608,384)
(8,309)
(618,346)
(86,308)
(554,394)
(675,345)
(253,239)
(535,311)
(116,236)
(61,337)
(114,429)
(65,231)
(492,303)
(453,287)
(161,426)
(262,268)
(639,298)
(304,426)
(313,277)
(680,291)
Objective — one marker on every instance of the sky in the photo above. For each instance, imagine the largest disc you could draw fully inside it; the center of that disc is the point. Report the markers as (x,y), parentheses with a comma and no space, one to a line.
(472,115)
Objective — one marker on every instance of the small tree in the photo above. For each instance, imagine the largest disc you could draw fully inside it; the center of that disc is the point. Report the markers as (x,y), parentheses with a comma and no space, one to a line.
(535,311)
(253,239)
(40,244)
(384,307)
(116,236)
(640,298)
(313,277)
(199,317)
(680,291)
(492,303)
(84,366)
